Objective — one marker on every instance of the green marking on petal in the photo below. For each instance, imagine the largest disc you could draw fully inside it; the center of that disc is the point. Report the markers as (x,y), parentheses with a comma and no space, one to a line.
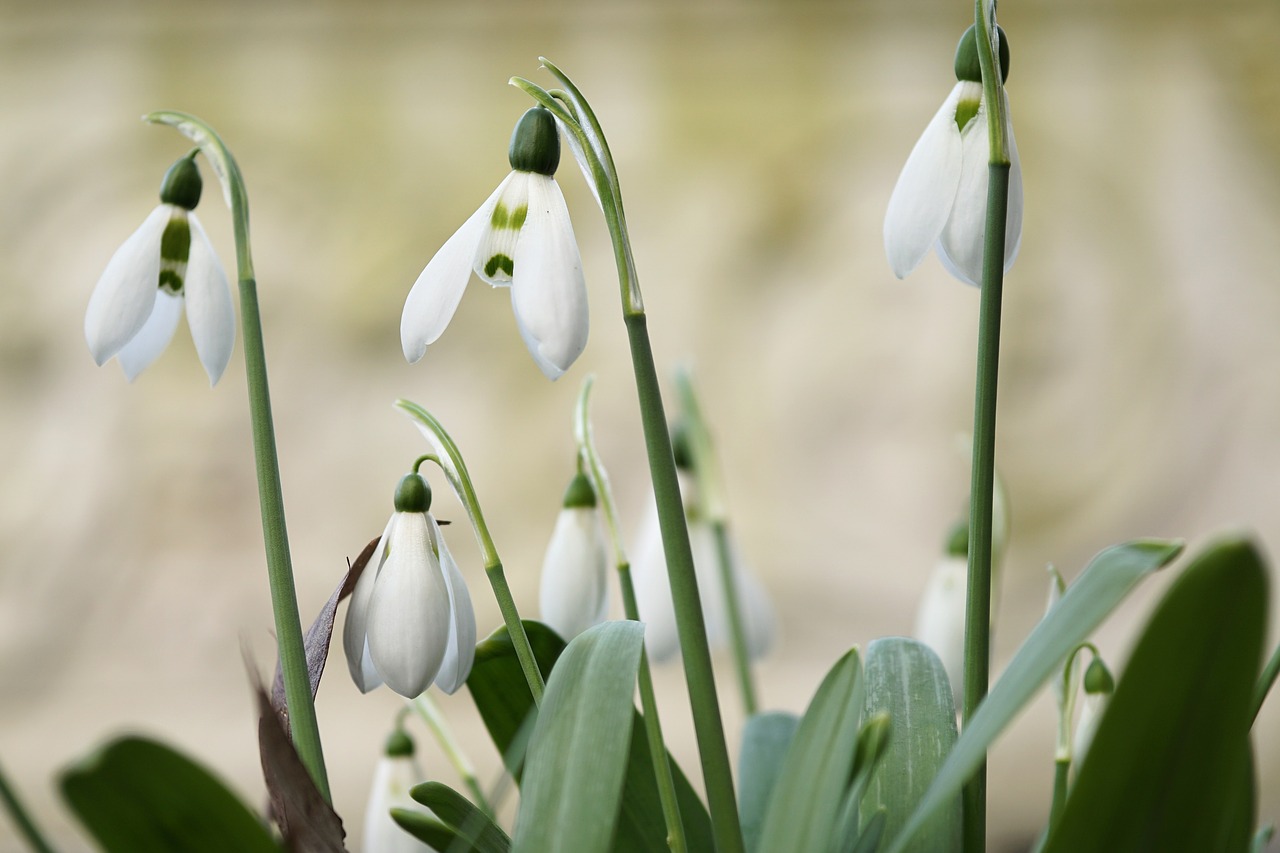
(175,244)
(499,262)
(171,280)
(507,220)
(965,111)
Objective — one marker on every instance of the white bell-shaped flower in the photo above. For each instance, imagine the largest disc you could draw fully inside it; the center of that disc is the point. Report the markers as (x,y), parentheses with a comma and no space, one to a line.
(575,571)
(397,771)
(168,261)
(1098,687)
(520,237)
(653,588)
(940,199)
(940,617)
(410,622)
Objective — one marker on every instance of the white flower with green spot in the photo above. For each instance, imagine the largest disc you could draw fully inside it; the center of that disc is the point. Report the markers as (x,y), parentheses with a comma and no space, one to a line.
(521,238)
(166,263)
(940,200)
(397,772)
(575,571)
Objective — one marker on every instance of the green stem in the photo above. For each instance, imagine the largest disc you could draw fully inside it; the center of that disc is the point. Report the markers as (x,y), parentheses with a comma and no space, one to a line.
(977,647)
(430,714)
(515,629)
(284,601)
(1061,769)
(1265,681)
(26,826)
(737,626)
(690,625)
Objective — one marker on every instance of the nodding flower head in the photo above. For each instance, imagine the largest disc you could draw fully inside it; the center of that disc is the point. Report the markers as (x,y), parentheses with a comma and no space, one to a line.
(575,570)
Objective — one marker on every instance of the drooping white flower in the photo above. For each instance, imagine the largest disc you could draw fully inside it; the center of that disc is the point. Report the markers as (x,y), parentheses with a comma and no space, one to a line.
(575,588)
(941,614)
(940,200)
(397,771)
(167,262)
(520,237)
(1098,687)
(653,588)
(410,622)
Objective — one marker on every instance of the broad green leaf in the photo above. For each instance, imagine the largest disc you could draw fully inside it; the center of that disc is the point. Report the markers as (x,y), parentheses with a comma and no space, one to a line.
(577,756)
(1103,584)
(438,835)
(136,795)
(461,814)
(764,746)
(498,686)
(805,807)
(1158,774)
(906,680)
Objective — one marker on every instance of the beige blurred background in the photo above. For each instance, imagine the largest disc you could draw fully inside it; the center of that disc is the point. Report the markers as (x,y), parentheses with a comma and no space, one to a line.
(757,144)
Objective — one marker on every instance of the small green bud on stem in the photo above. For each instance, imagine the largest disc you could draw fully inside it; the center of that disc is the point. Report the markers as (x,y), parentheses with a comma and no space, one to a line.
(182,184)
(535,143)
(1097,678)
(967,66)
(413,494)
(399,745)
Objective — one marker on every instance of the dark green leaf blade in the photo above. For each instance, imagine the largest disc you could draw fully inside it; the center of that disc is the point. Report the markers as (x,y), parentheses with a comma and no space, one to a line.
(765,742)
(432,832)
(461,814)
(1175,732)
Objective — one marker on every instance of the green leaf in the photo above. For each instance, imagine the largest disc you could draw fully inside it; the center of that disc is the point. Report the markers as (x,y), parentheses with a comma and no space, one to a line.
(502,696)
(461,814)
(136,795)
(1106,581)
(1175,734)
(805,807)
(872,834)
(764,746)
(906,680)
(439,836)
(578,752)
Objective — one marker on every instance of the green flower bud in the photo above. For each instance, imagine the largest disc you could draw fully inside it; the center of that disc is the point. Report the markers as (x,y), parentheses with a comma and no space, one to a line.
(399,745)
(535,143)
(1097,678)
(182,184)
(579,494)
(967,65)
(413,494)
(958,540)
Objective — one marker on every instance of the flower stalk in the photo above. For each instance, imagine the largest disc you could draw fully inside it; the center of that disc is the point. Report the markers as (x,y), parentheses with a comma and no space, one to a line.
(21,819)
(434,719)
(284,601)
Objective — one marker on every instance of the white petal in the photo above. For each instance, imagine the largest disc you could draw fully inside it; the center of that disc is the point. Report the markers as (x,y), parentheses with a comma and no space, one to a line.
(574,587)
(209,312)
(501,231)
(355,630)
(1013,226)
(125,294)
(392,779)
(155,334)
(408,624)
(653,591)
(926,190)
(548,292)
(1090,715)
(940,619)
(460,652)
(960,246)
(434,297)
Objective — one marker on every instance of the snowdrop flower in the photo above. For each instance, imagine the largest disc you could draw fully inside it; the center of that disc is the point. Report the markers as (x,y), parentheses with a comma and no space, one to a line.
(1098,687)
(940,617)
(396,773)
(520,238)
(575,588)
(941,196)
(135,307)
(653,587)
(410,621)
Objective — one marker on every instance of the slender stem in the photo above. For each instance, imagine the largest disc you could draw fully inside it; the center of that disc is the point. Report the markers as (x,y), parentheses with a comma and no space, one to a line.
(1061,769)
(737,625)
(21,819)
(430,714)
(690,625)
(978,612)
(515,629)
(1265,681)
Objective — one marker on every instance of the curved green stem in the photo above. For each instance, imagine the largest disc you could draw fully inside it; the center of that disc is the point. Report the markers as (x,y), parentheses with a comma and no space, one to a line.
(21,819)
(1265,681)
(431,715)
(284,600)
(450,460)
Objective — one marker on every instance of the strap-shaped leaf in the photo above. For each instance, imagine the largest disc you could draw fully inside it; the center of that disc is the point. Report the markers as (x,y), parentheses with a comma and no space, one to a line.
(136,795)
(577,756)
(461,814)
(437,835)
(906,680)
(805,807)
(1161,771)
(1101,586)
(765,742)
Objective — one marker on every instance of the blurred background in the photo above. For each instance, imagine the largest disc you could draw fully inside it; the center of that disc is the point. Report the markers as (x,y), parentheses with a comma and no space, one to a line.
(757,145)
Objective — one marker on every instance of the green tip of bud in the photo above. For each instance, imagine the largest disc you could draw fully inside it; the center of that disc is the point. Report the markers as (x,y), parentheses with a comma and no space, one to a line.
(182,184)
(535,143)
(873,740)
(967,65)
(681,447)
(1097,678)
(579,494)
(958,540)
(399,745)
(413,494)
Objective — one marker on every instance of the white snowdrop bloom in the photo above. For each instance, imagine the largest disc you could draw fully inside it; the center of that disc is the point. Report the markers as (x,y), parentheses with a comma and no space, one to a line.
(168,261)
(940,617)
(940,199)
(653,588)
(521,238)
(410,622)
(575,572)
(397,771)
(1098,687)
